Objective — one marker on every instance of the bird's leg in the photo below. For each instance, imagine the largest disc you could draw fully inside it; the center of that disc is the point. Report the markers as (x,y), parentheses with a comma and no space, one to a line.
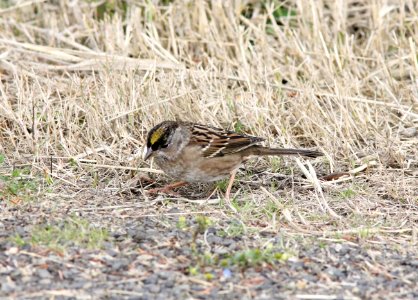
(168,189)
(230,183)
(228,191)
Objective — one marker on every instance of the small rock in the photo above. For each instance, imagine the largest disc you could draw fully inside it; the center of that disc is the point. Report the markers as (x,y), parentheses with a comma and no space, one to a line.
(79,284)
(12,250)
(8,287)
(15,273)
(221,250)
(153,288)
(119,264)
(338,247)
(44,273)
(162,296)
(226,242)
(109,249)
(197,288)
(26,279)
(169,284)
(183,287)
(414,263)
(213,239)
(152,279)
(44,282)
(166,275)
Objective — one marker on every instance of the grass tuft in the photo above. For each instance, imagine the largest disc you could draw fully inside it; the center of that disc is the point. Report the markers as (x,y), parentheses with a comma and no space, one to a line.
(71,232)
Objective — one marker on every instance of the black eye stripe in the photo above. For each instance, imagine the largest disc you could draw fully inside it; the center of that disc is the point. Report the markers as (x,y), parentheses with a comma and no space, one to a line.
(162,142)
(155,147)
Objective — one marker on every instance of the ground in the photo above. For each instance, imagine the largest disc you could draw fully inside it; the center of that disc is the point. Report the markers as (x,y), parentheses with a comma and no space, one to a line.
(82,83)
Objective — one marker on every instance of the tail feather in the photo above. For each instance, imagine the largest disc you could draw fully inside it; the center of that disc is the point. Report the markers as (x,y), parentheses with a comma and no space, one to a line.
(260,150)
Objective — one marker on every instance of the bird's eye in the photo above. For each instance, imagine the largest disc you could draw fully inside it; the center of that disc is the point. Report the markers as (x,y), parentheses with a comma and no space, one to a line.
(155,147)
(164,142)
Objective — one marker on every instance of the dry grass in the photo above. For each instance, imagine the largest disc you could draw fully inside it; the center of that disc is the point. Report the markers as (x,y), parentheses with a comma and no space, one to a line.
(81,82)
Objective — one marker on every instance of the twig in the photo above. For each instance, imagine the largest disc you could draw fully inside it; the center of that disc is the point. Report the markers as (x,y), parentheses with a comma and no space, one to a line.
(20,5)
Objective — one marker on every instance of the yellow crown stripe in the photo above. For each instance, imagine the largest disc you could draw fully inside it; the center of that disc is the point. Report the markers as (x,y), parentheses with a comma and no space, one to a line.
(156,135)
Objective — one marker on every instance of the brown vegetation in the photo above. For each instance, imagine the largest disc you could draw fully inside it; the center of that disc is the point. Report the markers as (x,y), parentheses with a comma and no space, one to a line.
(82,83)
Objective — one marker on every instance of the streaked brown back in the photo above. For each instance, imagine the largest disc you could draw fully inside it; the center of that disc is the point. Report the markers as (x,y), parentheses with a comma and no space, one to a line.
(217,142)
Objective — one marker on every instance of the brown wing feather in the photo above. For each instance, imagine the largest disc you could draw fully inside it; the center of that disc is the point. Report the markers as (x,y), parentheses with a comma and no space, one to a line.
(218,142)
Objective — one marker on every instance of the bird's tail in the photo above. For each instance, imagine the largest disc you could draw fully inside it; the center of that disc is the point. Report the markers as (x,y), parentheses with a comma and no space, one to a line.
(260,150)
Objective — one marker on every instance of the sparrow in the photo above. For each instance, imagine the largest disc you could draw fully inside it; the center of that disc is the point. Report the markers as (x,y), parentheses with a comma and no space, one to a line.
(192,152)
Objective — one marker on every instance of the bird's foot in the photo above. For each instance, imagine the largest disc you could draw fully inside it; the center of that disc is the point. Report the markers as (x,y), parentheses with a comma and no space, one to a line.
(168,189)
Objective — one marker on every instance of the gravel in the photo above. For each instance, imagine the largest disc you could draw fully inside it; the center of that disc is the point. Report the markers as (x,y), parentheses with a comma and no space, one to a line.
(150,258)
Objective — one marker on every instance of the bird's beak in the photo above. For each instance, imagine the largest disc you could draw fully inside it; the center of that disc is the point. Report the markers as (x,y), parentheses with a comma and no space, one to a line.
(147,153)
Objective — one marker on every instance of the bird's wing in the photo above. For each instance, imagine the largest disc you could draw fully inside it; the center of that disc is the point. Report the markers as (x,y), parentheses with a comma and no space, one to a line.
(217,142)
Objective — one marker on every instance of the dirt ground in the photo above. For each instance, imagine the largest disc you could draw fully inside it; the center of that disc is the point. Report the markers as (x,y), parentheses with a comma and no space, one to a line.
(81,83)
